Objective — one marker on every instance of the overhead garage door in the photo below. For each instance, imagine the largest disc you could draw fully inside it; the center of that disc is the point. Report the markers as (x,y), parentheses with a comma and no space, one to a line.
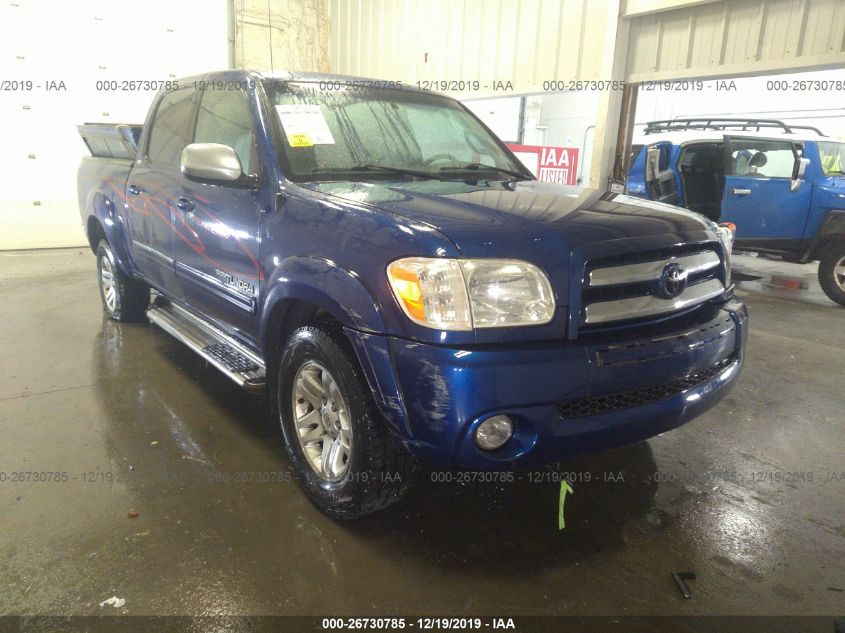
(67,63)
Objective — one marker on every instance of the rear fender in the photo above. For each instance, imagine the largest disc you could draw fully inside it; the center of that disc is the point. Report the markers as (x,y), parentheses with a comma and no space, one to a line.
(102,206)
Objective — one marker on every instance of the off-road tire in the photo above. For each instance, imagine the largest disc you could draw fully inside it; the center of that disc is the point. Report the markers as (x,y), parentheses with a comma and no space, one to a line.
(131,296)
(380,473)
(831,256)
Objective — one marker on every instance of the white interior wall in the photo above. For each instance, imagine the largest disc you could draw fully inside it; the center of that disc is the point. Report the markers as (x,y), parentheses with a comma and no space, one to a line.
(500,115)
(565,119)
(79,43)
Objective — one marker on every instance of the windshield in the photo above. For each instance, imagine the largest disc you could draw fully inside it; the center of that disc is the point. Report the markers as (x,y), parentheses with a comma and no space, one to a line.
(832,157)
(360,134)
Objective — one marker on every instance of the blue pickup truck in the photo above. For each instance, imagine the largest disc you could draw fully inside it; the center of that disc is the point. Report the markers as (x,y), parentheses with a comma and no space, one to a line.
(781,185)
(378,263)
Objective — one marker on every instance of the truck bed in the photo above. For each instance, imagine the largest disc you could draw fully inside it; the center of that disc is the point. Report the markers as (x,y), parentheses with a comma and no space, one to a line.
(101,177)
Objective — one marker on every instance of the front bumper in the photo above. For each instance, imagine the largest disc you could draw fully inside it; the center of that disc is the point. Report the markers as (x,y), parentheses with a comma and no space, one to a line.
(565,399)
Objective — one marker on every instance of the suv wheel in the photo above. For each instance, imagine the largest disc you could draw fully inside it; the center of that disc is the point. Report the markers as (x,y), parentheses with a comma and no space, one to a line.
(124,298)
(336,439)
(832,272)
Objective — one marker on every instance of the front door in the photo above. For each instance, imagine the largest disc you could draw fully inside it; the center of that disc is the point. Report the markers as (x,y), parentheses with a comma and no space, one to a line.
(758,196)
(217,224)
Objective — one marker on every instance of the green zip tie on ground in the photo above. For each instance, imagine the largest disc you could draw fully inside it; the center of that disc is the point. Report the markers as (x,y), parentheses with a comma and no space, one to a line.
(564,488)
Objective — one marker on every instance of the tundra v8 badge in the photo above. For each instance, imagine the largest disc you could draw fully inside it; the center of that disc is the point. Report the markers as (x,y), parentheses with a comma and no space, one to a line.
(236,283)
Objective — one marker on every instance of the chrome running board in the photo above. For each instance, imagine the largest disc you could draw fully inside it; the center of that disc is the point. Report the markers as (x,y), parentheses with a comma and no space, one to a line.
(236,361)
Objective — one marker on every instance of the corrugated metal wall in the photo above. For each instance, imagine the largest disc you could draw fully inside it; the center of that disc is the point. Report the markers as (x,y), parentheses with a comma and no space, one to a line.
(737,37)
(528,42)
(525,42)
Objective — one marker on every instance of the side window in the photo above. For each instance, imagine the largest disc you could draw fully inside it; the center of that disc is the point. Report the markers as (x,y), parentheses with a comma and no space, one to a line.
(224,118)
(635,152)
(832,157)
(170,126)
(761,158)
(663,163)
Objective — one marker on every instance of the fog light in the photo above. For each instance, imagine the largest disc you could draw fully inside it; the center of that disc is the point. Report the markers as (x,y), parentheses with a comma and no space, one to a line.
(493,432)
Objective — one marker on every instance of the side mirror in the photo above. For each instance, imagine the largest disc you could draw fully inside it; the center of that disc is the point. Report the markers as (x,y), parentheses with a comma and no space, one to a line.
(212,163)
(798,170)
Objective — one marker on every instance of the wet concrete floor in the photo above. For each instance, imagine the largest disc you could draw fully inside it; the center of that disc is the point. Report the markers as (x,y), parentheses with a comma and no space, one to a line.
(99,419)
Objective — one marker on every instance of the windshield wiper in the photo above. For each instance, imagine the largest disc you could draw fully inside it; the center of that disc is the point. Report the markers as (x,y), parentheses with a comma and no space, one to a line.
(381,168)
(482,167)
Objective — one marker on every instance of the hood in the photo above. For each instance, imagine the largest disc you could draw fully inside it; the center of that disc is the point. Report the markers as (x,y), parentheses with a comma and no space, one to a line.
(834,182)
(511,220)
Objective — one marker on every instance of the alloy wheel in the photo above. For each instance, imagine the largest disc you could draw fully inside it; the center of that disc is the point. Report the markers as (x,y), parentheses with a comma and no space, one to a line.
(107,284)
(322,422)
(839,274)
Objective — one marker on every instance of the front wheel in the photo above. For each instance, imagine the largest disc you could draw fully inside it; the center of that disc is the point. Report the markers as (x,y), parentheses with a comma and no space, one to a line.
(124,298)
(337,441)
(832,272)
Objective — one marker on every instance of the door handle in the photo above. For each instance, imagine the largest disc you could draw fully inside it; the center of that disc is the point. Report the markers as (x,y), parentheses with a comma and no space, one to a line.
(740,192)
(184,204)
(134,190)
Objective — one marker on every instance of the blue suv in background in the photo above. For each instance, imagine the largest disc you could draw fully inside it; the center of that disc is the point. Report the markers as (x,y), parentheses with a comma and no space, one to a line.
(782,185)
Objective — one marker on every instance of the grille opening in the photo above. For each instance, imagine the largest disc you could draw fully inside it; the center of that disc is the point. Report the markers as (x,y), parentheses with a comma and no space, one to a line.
(618,401)
(645,256)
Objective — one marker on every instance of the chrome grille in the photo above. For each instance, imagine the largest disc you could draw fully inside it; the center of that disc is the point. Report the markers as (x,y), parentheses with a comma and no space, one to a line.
(632,289)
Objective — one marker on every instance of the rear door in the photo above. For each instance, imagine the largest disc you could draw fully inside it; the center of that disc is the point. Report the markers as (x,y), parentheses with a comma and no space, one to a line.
(153,186)
(217,224)
(757,196)
(659,175)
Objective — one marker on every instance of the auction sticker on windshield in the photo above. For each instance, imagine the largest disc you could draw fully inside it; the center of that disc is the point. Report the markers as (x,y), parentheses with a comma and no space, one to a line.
(304,125)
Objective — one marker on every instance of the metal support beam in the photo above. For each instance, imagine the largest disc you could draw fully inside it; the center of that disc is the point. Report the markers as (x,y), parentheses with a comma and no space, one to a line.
(613,66)
(621,163)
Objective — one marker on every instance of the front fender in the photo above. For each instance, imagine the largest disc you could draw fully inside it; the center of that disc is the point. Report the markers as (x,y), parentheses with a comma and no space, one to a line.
(832,227)
(341,293)
(336,290)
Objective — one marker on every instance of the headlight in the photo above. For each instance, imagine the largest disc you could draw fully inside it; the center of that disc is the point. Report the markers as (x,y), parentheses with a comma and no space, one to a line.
(460,294)
(504,293)
(431,292)
(727,232)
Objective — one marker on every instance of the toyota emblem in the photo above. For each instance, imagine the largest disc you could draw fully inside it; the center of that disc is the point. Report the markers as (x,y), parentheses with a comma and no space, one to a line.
(673,281)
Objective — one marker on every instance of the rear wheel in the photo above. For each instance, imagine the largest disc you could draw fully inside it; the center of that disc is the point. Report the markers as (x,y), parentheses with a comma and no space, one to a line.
(124,298)
(832,272)
(337,441)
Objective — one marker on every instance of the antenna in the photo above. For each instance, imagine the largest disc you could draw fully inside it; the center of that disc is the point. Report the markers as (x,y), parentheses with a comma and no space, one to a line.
(270,29)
